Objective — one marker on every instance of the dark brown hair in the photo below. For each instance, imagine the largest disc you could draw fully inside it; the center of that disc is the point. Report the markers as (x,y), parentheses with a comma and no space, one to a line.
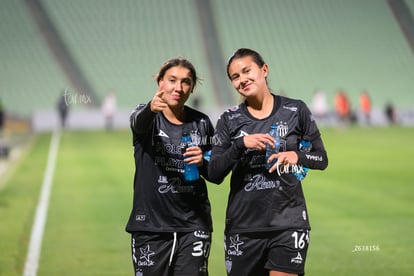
(245,52)
(178,62)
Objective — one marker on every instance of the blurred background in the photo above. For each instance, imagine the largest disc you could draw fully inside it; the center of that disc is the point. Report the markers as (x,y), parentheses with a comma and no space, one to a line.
(86,50)
(85,64)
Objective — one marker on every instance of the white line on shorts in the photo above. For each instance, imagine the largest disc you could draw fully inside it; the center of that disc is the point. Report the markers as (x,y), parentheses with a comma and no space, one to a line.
(33,253)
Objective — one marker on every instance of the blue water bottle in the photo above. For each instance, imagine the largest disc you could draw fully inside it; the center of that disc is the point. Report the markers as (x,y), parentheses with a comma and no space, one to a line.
(304,146)
(274,132)
(190,170)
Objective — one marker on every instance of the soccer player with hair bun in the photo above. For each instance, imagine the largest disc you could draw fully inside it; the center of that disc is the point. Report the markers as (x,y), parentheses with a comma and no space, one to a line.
(170,222)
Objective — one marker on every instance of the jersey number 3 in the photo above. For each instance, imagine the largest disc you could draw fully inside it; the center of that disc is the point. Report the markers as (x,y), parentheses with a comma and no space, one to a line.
(201,248)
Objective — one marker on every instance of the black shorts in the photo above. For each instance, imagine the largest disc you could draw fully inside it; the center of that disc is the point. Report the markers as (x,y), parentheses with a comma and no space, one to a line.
(258,253)
(168,254)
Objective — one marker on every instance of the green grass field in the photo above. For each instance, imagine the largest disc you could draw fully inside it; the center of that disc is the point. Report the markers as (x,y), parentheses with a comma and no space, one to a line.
(361,208)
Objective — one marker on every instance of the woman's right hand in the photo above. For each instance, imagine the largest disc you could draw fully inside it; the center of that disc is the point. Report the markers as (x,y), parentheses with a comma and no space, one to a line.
(258,141)
(158,104)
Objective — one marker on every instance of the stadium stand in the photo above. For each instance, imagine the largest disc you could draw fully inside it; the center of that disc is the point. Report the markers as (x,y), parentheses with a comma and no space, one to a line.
(119,46)
(29,77)
(321,44)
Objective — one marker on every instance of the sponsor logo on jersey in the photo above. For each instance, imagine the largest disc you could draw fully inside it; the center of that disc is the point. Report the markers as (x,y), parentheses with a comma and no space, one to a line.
(174,185)
(170,187)
(291,108)
(201,234)
(145,256)
(162,179)
(258,182)
(234,108)
(297,260)
(185,189)
(234,116)
(314,157)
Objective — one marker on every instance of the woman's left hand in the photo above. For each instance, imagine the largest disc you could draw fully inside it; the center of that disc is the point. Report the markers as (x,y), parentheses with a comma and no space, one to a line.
(284,158)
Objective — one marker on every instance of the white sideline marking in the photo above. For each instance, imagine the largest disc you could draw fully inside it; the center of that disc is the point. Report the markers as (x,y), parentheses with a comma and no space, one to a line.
(33,253)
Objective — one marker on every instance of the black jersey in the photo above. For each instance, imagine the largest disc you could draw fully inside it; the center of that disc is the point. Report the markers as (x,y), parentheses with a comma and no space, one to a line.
(258,200)
(163,201)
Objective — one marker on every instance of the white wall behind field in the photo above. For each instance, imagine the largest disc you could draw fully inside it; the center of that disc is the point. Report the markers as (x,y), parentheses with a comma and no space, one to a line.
(93,119)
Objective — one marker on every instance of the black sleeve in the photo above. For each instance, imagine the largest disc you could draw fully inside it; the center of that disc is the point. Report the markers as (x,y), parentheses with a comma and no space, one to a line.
(225,153)
(317,158)
(208,132)
(141,118)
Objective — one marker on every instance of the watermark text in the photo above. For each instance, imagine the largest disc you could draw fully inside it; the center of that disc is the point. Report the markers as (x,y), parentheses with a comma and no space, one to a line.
(76,98)
(366,248)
